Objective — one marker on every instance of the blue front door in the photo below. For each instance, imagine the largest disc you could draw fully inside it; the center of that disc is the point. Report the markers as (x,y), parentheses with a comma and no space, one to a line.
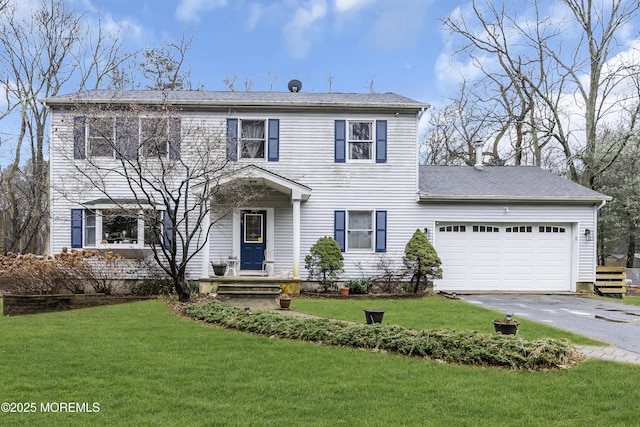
(252,239)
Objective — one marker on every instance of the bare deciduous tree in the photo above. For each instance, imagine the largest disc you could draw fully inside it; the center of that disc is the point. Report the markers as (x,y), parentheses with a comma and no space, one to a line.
(41,52)
(555,93)
(161,167)
(164,67)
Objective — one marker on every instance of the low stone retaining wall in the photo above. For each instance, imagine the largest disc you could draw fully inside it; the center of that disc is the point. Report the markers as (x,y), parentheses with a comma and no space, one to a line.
(17,305)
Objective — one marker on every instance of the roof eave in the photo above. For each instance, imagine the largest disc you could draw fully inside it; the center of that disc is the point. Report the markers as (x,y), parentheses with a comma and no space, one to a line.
(512,199)
(222,104)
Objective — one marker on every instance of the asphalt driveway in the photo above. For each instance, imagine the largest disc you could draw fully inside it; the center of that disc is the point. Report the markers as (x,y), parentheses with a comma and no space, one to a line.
(610,321)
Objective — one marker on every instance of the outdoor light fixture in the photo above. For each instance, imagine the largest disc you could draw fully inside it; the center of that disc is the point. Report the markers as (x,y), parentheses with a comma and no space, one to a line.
(588,235)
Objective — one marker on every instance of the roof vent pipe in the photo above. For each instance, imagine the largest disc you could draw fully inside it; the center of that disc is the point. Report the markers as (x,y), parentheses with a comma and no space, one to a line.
(478,146)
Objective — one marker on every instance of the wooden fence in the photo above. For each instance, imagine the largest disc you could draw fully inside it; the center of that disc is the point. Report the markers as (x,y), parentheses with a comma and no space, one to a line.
(611,281)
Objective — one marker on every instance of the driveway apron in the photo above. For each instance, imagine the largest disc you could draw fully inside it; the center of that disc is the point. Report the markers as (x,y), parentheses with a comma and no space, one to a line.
(610,321)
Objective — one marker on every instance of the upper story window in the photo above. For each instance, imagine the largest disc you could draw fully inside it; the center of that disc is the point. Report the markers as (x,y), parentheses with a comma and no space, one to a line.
(253,139)
(123,137)
(154,136)
(360,140)
(101,135)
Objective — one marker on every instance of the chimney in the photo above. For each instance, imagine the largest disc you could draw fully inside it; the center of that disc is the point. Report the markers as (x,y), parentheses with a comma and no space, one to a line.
(478,146)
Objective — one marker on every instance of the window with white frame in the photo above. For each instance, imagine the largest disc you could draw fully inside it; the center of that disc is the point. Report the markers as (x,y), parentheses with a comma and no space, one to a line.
(114,227)
(154,136)
(252,139)
(360,140)
(100,136)
(360,230)
(121,137)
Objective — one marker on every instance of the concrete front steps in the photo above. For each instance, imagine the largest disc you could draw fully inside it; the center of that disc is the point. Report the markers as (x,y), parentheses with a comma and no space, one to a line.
(255,296)
(255,292)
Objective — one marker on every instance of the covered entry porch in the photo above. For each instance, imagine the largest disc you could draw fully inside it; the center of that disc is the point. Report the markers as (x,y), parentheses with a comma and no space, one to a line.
(261,236)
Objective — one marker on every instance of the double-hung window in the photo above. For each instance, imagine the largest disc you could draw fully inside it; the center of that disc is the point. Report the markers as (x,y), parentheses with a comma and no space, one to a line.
(122,137)
(361,230)
(252,139)
(154,136)
(360,140)
(101,136)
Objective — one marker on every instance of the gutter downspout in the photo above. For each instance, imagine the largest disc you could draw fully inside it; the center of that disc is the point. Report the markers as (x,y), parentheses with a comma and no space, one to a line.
(417,166)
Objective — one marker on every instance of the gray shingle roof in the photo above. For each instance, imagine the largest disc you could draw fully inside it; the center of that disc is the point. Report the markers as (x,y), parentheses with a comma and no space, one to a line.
(499,183)
(242,99)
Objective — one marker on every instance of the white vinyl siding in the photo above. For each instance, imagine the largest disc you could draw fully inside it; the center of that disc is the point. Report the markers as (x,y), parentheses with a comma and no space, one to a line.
(306,155)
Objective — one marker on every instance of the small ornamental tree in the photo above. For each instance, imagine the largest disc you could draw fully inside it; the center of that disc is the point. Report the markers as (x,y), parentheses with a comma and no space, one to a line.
(421,259)
(325,261)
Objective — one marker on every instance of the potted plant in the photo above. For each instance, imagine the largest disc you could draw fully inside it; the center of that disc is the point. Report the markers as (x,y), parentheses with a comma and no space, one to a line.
(344,290)
(285,301)
(219,267)
(507,326)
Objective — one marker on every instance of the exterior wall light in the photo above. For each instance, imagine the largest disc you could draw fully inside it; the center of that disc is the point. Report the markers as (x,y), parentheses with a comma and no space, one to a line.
(588,235)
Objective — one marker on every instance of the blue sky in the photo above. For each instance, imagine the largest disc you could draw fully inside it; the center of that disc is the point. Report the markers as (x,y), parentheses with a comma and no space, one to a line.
(394,43)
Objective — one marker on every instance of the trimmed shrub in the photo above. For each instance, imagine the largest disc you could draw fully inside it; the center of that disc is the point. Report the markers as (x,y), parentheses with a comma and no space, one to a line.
(465,347)
(422,260)
(360,286)
(325,261)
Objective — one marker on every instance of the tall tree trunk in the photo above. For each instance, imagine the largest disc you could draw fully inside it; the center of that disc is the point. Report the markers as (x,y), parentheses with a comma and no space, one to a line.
(631,250)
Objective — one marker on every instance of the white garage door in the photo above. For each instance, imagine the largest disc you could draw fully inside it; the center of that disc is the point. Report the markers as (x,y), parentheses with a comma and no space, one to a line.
(504,257)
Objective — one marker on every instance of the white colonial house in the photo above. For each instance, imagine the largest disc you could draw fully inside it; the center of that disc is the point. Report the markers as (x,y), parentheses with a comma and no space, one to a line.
(326,164)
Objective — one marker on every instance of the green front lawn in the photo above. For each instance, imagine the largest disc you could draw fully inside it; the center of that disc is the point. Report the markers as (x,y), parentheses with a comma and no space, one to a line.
(432,313)
(144,365)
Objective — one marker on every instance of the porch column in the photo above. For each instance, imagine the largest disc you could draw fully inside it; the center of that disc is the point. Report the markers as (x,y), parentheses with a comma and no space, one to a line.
(296,237)
(204,266)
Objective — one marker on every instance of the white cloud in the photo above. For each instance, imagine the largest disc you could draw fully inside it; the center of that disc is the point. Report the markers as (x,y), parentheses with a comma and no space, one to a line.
(298,32)
(342,6)
(399,27)
(190,10)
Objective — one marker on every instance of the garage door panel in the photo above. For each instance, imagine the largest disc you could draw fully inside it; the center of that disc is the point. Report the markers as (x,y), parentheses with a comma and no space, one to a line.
(526,260)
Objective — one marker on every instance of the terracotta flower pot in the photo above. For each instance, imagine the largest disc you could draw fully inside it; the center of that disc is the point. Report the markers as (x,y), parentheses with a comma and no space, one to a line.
(285,303)
(344,291)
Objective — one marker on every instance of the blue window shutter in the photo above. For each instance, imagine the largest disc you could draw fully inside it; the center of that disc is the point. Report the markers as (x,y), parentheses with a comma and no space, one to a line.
(79,138)
(339,232)
(381,231)
(381,141)
(168,229)
(76,228)
(340,141)
(274,140)
(127,137)
(174,138)
(232,140)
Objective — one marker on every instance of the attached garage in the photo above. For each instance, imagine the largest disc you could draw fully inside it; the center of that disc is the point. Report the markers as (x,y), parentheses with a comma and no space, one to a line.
(504,256)
(509,228)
